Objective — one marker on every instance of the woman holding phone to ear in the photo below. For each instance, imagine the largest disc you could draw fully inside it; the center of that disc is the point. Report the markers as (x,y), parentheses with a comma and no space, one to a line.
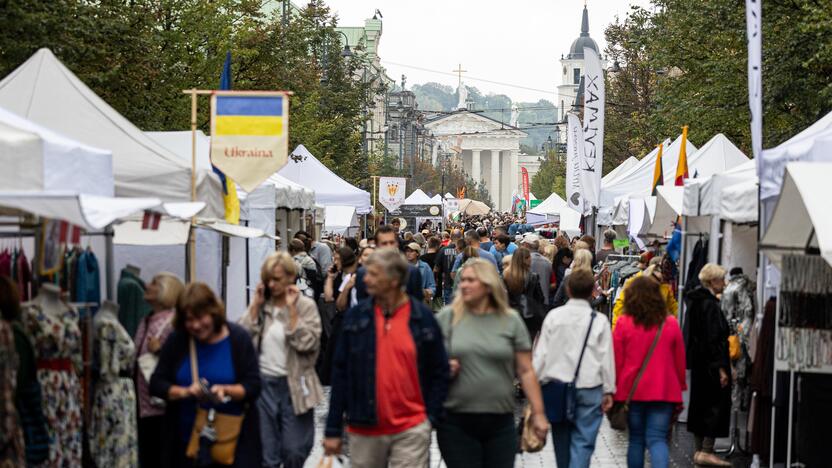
(286,329)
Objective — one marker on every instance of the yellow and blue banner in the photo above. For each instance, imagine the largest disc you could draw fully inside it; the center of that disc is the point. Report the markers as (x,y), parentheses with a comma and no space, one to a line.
(249,134)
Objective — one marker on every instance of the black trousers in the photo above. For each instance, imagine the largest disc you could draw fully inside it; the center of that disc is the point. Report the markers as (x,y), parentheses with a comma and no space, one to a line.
(478,440)
(150,441)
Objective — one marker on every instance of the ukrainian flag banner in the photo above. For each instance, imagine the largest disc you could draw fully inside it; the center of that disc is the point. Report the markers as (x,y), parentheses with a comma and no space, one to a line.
(249,134)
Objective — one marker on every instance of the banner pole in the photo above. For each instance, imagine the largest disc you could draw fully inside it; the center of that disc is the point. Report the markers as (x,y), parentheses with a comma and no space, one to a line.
(192,236)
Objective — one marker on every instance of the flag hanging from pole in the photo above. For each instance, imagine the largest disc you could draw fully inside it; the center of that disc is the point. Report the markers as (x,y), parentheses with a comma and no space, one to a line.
(754,34)
(658,172)
(229,188)
(525,174)
(682,167)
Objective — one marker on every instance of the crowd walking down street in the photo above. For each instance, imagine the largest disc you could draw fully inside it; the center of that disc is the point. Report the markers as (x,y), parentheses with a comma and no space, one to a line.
(373,366)
(229,238)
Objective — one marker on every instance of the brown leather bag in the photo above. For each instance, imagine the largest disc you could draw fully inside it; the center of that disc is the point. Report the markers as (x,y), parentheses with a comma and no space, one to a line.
(226,427)
(529,442)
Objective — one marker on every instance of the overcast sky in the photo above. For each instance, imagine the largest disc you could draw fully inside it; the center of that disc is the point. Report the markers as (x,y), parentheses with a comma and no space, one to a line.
(518,43)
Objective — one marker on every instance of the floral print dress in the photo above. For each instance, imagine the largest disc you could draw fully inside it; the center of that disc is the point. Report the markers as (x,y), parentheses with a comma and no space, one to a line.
(56,339)
(11,437)
(112,433)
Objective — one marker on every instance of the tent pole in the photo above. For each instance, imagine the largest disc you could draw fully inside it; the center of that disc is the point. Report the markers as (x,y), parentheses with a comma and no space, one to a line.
(109,261)
(192,237)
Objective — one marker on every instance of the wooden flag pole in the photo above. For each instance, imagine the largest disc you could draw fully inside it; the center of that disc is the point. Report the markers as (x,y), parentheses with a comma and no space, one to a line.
(191,270)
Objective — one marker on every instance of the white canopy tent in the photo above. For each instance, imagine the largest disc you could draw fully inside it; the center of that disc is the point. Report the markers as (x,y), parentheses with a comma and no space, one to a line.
(668,208)
(739,203)
(418,197)
(619,171)
(639,179)
(44,91)
(91,212)
(436,200)
(554,209)
(812,144)
(305,169)
(339,219)
(35,158)
(801,217)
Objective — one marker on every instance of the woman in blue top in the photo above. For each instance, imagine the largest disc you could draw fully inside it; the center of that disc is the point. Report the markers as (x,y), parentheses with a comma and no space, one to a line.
(225,358)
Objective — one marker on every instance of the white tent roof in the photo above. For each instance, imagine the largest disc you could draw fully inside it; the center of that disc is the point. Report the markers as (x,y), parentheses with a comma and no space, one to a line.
(797,148)
(641,212)
(448,195)
(418,197)
(282,192)
(36,158)
(305,169)
(739,203)
(43,90)
(437,199)
(638,181)
(91,212)
(553,205)
(668,208)
(619,171)
(801,218)
(710,191)
(339,218)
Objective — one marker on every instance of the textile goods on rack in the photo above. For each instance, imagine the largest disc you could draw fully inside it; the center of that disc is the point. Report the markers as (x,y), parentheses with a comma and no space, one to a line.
(112,429)
(28,400)
(132,306)
(804,294)
(15,265)
(53,329)
(12,449)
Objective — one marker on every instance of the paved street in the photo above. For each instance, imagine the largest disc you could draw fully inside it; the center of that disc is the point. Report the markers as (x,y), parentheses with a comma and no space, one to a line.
(610,449)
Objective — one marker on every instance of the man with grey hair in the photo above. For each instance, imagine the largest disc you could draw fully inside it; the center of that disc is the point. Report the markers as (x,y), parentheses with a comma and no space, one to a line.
(390,373)
(608,248)
(540,265)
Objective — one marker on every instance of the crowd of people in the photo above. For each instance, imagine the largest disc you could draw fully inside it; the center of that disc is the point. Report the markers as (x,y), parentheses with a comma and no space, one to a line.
(414,332)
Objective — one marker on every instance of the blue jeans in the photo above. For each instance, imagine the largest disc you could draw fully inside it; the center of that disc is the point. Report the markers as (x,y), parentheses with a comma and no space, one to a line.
(648,425)
(447,295)
(574,442)
(287,438)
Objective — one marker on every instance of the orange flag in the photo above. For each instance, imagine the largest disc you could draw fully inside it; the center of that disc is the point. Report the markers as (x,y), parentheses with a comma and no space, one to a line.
(682,167)
(658,172)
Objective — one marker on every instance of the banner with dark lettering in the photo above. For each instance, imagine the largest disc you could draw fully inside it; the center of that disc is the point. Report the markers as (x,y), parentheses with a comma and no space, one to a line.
(249,134)
(592,163)
(574,156)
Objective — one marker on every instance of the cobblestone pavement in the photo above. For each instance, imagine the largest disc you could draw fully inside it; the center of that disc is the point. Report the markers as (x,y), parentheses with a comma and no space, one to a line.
(610,448)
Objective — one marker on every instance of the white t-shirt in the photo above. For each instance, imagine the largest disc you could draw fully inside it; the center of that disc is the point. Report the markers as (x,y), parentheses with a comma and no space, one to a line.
(273,348)
(353,294)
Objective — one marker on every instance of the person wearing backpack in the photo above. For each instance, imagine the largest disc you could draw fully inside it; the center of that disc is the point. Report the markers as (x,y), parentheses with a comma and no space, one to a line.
(309,276)
(576,367)
(524,293)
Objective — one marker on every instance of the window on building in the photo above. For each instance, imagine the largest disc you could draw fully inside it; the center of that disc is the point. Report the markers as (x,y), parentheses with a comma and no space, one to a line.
(394,133)
(576,75)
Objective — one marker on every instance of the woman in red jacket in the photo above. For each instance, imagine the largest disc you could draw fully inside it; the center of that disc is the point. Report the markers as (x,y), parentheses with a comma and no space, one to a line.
(659,390)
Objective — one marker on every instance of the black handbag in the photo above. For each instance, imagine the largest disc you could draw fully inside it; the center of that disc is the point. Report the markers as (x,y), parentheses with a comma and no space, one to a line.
(559,397)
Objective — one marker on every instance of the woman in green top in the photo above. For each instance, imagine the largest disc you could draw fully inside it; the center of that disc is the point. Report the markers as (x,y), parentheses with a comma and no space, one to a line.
(489,347)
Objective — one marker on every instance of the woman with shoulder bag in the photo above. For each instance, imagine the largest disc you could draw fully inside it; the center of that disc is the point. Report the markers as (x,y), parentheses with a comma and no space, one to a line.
(650,371)
(162,293)
(524,293)
(209,377)
(489,348)
(286,330)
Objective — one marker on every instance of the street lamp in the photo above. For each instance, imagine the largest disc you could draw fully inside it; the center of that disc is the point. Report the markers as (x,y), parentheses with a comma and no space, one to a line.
(346,53)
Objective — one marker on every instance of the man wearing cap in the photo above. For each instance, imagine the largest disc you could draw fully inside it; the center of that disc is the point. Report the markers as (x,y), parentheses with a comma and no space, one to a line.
(472,239)
(412,252)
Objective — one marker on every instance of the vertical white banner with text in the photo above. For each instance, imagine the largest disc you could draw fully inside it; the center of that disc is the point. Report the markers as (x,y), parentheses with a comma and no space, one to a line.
(574,156)
(592,164)
(754,25)
(391,192)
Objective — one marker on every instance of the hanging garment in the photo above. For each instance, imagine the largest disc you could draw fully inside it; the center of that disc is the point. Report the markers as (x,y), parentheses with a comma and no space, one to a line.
(5,263)
(87,279)
(112,432)
(57,342)
(23,276)
(132,306)
(697,260)
(12,450)
(28,400)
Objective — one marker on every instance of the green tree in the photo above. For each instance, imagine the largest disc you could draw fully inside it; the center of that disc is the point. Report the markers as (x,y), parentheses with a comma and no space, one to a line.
(550,178)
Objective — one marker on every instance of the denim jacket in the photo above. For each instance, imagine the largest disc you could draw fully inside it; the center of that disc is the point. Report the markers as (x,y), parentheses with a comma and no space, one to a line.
(354,367)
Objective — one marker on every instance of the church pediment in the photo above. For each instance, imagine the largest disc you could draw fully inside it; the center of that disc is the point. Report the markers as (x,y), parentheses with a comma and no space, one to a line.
(468,123)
